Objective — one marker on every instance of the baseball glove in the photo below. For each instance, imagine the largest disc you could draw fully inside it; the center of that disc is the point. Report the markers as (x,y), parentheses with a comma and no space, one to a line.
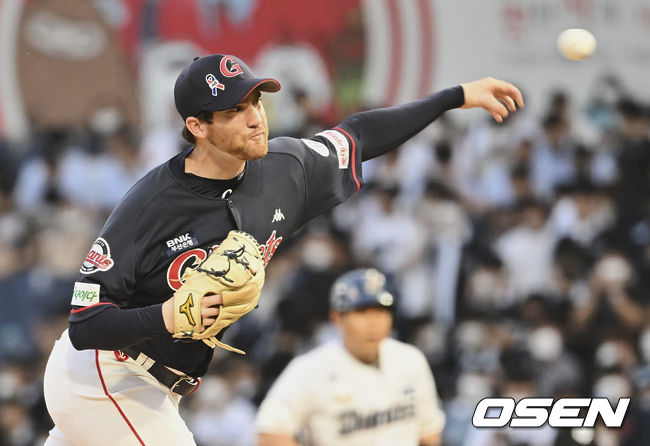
(236,271)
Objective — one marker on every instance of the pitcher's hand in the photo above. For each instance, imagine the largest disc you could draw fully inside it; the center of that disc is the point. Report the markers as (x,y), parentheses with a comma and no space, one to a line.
(496,96)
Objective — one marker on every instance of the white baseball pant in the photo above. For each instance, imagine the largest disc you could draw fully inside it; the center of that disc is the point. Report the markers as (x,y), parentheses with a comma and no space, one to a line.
(96,398)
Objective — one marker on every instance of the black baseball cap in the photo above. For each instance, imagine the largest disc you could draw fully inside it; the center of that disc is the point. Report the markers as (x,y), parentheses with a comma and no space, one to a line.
(216,82)
(360,288)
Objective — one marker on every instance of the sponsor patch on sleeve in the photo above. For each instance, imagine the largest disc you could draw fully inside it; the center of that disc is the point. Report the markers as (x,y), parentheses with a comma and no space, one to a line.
(341,145)
(85,294)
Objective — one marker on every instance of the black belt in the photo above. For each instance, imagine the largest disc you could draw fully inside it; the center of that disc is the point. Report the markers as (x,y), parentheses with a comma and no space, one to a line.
(181,384)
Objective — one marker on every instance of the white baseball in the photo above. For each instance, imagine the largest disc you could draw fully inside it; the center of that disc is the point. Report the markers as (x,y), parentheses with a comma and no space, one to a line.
(576,43)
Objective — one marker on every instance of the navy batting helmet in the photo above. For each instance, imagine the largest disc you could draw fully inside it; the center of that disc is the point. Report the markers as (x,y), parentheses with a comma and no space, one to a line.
(361,288)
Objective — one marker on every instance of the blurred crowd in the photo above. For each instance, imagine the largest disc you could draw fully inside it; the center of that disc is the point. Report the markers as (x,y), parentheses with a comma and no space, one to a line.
(519,254)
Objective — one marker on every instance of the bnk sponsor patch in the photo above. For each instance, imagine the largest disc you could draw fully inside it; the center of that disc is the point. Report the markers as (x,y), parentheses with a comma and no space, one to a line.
(180,243)
(85,294)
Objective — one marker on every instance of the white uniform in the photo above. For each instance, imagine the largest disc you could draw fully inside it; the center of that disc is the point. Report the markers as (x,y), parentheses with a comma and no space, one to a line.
(78,384)
(333,399)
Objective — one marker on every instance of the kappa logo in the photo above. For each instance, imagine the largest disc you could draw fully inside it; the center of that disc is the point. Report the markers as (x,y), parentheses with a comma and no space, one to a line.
(277,216)
(214,84)
(98,258)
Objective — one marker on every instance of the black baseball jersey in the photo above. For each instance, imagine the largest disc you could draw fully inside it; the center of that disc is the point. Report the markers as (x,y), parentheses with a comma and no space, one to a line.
(170,221)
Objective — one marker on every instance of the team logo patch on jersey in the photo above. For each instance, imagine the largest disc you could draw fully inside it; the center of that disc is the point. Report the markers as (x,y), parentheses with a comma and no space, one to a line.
(317,147)
(341,145)
(180,243)
(194,257)
(98,258)
(189,259)
(85,294)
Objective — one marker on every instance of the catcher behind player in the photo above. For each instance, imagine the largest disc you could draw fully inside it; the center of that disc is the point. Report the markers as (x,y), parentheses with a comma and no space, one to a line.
(167,274)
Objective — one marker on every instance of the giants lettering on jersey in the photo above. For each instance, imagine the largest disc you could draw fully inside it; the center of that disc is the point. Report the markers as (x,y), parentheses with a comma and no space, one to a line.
(189,259)
(194,257)
(269,248)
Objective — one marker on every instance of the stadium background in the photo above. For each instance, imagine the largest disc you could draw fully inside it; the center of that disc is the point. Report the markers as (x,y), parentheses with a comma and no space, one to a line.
(533,278)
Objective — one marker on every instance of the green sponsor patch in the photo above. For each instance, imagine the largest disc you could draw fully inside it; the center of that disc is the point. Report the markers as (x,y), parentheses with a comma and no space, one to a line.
(85,294)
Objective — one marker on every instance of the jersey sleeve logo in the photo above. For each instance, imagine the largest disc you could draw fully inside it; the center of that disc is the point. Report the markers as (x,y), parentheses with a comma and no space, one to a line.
(317,147)
(341,145)
(98,258)
(85,294)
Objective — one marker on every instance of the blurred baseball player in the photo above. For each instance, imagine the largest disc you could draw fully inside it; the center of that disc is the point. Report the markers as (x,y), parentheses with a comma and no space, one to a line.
(368,389)
(117,374)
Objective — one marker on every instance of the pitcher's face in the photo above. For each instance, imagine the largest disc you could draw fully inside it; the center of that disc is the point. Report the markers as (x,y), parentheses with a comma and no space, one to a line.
(241,131)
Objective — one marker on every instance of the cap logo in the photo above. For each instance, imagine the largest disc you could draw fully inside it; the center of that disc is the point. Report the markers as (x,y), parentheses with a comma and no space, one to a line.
(374,281)
(234,69)
(214,83)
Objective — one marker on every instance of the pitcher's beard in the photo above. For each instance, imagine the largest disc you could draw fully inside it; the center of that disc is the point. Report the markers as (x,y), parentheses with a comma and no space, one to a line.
(256,152)
(249,151)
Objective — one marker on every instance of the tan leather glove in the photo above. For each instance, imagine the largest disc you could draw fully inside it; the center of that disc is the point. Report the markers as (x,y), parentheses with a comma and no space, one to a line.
(236,271)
